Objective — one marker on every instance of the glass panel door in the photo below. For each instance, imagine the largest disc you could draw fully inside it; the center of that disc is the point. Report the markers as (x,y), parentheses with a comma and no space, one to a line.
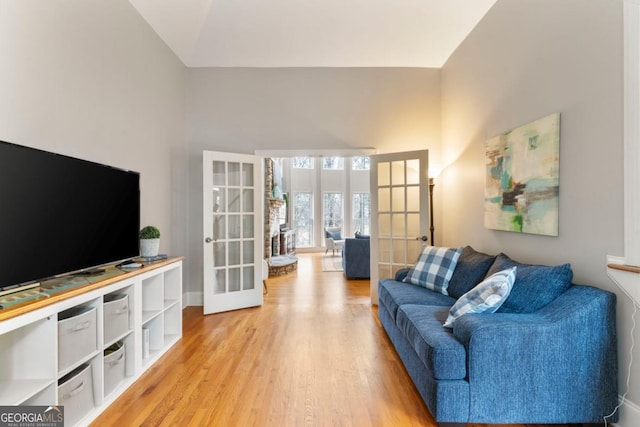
(232,191)
(399,212)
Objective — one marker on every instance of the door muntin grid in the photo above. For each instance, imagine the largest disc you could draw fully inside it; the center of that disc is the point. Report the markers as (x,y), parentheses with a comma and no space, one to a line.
(399,206)
(233,226)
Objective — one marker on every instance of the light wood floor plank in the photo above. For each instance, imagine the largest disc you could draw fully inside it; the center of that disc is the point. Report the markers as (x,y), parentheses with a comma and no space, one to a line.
(314,354)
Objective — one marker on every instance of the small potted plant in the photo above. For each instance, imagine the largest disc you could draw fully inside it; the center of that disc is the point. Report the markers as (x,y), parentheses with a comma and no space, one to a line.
(149,241)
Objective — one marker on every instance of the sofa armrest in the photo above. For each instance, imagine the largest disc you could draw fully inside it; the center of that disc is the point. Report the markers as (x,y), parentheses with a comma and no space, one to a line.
(355,258)
(558,362)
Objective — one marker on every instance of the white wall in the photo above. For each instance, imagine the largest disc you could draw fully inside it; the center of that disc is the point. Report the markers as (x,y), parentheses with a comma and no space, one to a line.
(90,79)
(523,61)
(244,109)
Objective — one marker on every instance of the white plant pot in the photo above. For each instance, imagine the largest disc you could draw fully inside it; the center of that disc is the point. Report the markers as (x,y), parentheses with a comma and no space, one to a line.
(149,247)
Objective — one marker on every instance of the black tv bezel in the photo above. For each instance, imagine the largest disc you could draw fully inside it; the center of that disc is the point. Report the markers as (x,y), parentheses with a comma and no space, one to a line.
(17,287)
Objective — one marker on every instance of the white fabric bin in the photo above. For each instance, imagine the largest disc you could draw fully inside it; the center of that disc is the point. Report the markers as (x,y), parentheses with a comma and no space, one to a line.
(114,367)
(77,335)
(75,393)
(116,316)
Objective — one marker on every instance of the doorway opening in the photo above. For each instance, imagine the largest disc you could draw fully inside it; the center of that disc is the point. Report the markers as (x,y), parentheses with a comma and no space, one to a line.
(306,198)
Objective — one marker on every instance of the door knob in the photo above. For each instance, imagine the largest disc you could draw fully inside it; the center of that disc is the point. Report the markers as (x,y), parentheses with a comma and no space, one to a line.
(208,240)
(423,238)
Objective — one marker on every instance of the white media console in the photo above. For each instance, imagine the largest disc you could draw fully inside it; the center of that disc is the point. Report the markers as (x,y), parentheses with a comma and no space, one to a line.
(63,328)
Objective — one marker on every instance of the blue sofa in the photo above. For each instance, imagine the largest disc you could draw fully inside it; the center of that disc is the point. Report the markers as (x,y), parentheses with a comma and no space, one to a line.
(355,257)
(555,364)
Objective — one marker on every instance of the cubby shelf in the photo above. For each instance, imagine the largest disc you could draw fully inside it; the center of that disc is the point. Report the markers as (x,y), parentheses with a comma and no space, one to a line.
(148,316)
(16,392)
(29,342)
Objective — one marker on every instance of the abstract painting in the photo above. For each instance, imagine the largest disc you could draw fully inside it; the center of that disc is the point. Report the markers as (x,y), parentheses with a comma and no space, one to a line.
(522,178)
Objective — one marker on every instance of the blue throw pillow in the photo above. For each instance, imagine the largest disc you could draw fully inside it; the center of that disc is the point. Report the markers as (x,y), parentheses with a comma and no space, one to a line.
(434,268)
(335,235)
(535,286)
(487,297)
(471,269)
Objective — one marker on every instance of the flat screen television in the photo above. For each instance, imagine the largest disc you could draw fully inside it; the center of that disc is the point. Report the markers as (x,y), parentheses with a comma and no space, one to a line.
(62,215)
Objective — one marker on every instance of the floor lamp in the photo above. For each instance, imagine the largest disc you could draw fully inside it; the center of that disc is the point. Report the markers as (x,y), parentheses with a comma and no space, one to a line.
(431,227)
(434,171)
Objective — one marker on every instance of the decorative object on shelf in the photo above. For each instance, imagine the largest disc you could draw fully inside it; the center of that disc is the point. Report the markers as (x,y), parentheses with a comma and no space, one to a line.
(75,393)
(277,192)
(522,178)
(114,366)
(158,257)
(145,343)
(149,241)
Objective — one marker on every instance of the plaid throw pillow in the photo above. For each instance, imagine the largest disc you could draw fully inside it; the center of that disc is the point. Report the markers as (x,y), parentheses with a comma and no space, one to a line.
(434,268)
(488,296)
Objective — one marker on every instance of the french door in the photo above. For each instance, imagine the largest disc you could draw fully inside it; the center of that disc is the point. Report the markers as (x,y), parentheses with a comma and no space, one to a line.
(399,212)
(233,240)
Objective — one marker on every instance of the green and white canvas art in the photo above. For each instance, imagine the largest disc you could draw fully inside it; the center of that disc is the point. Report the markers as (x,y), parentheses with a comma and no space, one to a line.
(522,178)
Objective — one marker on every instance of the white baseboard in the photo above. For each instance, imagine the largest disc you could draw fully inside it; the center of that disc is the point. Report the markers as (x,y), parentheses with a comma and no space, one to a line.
(629,415)
(193,299)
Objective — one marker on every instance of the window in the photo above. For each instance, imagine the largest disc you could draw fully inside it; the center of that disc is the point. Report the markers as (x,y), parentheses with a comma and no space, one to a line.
(302,163)
(360,163)
(333,163)
(362,212)
(331,191)
(303,219)
(332,211)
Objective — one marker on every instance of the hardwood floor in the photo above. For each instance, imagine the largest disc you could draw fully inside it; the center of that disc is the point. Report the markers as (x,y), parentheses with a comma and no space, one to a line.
(313,355)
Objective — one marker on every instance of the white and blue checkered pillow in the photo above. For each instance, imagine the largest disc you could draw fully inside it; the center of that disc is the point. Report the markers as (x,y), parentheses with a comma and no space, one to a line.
(487,296)
(434,268)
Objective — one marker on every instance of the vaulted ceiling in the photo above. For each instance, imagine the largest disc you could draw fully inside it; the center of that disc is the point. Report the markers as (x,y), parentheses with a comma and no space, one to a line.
(313,33)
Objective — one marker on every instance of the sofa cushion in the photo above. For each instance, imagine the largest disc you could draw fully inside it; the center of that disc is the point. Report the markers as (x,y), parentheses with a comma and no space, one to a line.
(434,268)
(437,347)
(392,294)
(535,285)
(471,269)
(487,297)
(359,235)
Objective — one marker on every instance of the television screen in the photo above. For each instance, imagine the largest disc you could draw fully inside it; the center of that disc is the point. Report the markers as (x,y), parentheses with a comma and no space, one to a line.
(60,214)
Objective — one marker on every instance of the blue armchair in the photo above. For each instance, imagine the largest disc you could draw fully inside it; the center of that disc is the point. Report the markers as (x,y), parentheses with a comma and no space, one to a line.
(355,258)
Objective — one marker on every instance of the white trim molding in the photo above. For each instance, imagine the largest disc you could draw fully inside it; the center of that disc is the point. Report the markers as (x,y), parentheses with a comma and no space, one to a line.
(193,299)
(629,414)
(627,281)
(631,9)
